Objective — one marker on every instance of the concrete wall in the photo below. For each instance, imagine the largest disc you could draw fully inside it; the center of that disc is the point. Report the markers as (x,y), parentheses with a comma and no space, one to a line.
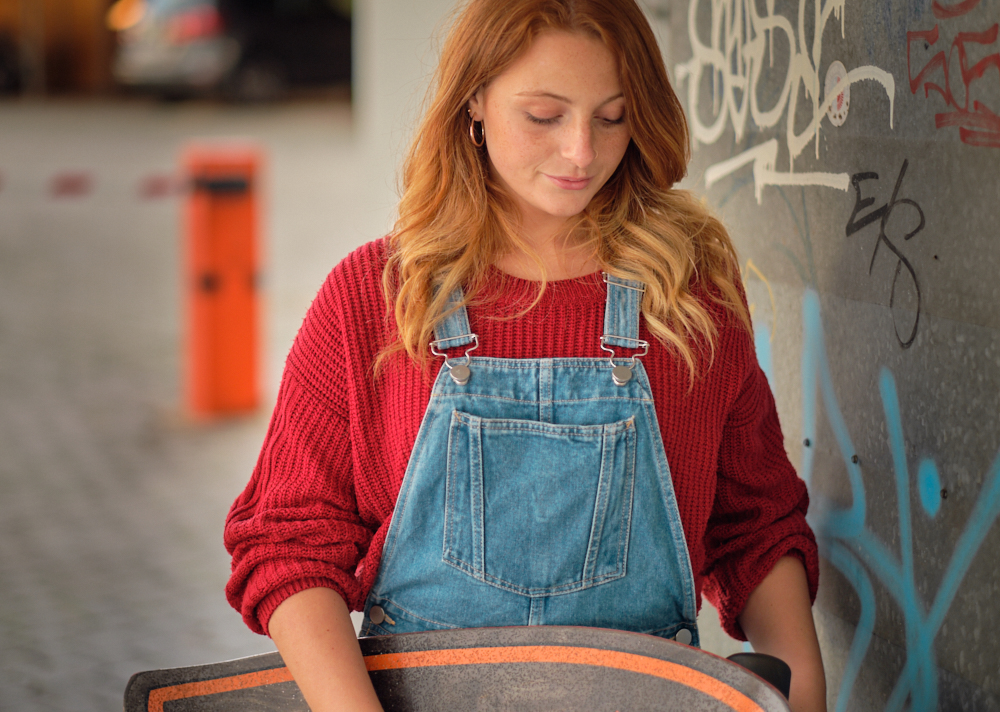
(868,231)
(396,44)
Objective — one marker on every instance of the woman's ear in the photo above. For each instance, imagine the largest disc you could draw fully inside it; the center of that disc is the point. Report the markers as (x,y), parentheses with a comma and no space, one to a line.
(476,106)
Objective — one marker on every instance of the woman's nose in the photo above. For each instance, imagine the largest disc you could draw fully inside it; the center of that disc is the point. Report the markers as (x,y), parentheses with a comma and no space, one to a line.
(578,144)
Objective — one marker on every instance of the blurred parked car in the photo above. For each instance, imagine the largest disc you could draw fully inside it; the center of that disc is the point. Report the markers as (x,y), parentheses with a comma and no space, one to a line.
(244,49)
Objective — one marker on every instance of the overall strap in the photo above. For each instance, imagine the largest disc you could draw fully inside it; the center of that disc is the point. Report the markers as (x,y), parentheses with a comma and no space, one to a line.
(621,313)
(454,331)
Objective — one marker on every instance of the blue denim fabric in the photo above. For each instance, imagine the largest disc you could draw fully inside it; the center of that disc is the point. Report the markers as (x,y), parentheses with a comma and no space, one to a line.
(538,494)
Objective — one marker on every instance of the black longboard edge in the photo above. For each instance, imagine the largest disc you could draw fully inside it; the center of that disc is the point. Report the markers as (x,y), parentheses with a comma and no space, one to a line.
(262,671)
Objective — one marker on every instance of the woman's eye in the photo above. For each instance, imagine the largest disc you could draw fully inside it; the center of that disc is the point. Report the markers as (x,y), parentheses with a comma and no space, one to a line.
(541,121)
(614,122)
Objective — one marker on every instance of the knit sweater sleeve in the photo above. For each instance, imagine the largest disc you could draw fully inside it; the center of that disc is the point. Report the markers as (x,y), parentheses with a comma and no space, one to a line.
(296,525)
(760,504)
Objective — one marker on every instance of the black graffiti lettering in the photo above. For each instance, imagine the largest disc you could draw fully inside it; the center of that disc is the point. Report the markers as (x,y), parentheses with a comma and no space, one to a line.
(862,203)
(882,215)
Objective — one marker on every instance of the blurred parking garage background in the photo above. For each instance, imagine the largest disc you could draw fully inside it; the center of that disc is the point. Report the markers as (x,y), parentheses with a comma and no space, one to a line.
(111,498)
(243,49)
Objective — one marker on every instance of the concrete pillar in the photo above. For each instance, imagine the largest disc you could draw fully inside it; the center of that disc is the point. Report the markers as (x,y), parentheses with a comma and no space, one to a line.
(397,43)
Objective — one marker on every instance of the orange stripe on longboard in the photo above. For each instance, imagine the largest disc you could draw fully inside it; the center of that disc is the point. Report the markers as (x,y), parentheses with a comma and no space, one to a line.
(162,695)
(707,684)
(595,657)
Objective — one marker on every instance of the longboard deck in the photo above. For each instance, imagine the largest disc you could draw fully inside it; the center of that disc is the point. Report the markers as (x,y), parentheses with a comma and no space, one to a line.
(527,669)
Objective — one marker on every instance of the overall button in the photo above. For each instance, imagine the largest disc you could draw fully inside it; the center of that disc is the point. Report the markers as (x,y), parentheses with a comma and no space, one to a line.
(460,374)
(621,375)
(377,615)
(683,635)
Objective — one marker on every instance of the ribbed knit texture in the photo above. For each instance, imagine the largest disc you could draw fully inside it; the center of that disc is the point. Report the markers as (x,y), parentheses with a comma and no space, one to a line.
(318,506)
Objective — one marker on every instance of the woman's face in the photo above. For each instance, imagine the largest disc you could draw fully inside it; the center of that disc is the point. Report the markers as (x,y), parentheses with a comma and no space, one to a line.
(555,127)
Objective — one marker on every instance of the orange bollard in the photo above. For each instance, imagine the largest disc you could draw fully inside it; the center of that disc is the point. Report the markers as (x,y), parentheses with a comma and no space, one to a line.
(220,280)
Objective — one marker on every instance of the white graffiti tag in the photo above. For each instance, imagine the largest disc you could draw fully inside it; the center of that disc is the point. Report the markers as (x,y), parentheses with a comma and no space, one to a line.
(741,39)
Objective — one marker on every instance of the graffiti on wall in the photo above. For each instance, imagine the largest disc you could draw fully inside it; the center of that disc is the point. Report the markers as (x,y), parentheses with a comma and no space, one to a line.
(731,67)
(738,58)
(858,221)
(858,553)
(846,540)
(980,125)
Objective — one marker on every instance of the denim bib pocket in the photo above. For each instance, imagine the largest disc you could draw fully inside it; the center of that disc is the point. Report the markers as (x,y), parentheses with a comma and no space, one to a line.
(538,508)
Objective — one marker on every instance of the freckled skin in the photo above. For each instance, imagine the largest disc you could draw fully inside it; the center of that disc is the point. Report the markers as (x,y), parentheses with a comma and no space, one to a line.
(555,128)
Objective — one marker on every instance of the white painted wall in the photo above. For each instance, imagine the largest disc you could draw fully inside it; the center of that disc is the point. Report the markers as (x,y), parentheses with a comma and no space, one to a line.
(396,49)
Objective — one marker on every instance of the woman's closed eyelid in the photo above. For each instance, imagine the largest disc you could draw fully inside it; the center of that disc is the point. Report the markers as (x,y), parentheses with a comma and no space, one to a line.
(547,121)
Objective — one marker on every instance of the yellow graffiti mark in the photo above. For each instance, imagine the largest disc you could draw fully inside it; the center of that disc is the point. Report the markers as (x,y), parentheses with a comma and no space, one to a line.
(751,267)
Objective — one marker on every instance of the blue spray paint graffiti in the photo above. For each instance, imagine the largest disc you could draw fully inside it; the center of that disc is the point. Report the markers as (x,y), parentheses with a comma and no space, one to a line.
(762,343)
(855,551)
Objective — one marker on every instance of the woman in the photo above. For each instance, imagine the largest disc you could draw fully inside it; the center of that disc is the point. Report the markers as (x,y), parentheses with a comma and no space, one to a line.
(554,348)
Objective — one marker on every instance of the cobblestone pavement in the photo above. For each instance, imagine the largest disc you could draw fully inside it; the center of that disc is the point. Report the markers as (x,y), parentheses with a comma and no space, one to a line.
(111,502)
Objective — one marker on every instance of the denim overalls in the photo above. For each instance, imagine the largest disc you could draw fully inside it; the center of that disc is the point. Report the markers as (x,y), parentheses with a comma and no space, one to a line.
(538,493)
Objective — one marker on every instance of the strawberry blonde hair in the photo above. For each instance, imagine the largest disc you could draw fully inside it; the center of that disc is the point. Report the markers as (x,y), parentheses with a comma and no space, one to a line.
(455,220)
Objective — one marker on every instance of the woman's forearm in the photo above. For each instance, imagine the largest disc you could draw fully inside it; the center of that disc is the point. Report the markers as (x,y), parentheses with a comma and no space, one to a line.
(316,639)
(778,621)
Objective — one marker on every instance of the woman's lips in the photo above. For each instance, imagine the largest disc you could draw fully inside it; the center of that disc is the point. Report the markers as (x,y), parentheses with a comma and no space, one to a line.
(567,183)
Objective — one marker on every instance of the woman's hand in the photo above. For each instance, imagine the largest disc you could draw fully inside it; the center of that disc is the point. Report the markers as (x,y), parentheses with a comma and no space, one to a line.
(778,621)
(316,639)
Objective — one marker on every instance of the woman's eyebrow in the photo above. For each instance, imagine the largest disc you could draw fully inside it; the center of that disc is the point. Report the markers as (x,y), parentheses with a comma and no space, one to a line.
(557,97)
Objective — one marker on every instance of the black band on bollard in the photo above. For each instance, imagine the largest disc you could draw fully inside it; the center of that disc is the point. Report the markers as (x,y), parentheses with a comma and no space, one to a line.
(222,184)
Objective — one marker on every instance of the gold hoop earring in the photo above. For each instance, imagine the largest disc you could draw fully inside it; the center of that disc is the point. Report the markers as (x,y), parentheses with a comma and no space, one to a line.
(472,133)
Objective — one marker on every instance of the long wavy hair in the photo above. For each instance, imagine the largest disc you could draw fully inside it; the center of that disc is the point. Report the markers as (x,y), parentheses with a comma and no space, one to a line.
(455,220)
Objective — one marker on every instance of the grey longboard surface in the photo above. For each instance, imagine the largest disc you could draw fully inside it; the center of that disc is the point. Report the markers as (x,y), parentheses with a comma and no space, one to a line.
(523,669)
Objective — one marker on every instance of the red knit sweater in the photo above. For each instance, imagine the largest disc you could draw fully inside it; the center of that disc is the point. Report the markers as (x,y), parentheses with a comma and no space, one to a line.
(318,506)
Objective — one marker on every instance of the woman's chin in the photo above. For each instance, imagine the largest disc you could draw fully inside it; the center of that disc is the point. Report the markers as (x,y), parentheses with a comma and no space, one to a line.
(563,209)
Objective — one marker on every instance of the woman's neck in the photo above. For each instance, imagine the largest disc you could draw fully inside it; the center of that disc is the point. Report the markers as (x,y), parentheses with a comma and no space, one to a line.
(561,258)
(523,267)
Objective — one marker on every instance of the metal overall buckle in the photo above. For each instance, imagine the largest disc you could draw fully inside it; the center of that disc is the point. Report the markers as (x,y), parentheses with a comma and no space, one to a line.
(460,372)
(622,374)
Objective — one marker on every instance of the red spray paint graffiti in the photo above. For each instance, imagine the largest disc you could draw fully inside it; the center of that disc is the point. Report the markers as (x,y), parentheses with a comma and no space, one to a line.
(979,126)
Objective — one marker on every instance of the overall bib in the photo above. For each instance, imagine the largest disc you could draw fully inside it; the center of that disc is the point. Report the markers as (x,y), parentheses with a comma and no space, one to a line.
(538,493)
